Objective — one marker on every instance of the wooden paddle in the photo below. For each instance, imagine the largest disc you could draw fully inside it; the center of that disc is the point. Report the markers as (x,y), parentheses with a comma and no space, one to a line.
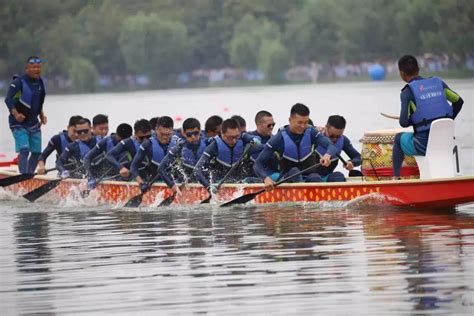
(344,162)
(393,117)
(137,199)
(170,198)
(250,196)
(237,164)
(45,188)
(19,178)
(85,193)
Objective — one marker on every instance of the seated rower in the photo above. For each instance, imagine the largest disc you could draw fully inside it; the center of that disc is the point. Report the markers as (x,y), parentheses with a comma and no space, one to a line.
(295,144)
(184,155)
(76,151)
(265,124)
(153,121)
(221,154)
(123,153)
(213,126)
(423,100)
(241,121)
(58,143)
(334,130)
(101,149)
(100,125)
(152,152)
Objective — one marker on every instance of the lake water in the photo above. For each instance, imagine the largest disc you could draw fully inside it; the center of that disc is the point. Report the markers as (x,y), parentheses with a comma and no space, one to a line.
(64,257)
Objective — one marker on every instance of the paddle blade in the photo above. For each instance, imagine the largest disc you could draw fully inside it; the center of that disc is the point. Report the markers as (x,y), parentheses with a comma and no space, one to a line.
(42,190)
(206,200)
(168,200)
(135,201)
(15,179)
(242,199)
(85,193)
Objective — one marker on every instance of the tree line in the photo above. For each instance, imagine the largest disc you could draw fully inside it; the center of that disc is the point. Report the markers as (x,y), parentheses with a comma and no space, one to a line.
(161,38)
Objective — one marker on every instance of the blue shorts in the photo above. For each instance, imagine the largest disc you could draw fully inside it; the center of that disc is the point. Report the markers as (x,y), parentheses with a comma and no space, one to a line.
(408,144)
(27,138)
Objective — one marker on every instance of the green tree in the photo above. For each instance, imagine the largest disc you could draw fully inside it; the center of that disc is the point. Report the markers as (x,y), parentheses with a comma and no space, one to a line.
(312,32)
(153,46)
(100,29)
(83,74)
(274,60)
(59,45)
(249,34)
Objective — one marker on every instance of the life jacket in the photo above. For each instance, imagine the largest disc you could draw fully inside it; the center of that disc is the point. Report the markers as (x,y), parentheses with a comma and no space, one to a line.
(64,141)
(431,103)
(110,143)
(24,99)
(84,148)
(26,96)
(297,155)
(338,144)
(158,151)
(227,156)
(129,155)
(190,157)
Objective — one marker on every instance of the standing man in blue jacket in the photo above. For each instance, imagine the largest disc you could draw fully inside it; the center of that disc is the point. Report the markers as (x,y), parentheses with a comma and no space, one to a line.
(25,98)
(423,100)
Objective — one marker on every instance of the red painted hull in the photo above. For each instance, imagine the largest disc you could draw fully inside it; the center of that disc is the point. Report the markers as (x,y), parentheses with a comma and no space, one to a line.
(436,193)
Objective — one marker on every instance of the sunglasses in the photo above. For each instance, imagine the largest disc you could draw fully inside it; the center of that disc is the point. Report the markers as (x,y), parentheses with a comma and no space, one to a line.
(144,137)
(191,134)
(34,61)
(82,131)
(271,125)
(233,137)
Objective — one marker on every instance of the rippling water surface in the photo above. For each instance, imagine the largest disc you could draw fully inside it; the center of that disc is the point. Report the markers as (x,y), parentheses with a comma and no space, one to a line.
(276,259)
(62,257)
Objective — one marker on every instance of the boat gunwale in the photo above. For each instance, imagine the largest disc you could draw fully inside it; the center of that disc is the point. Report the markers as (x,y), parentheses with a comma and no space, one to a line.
(284,185)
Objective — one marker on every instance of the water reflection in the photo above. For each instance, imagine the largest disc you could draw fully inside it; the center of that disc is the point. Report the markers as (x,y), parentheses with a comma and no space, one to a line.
(284,259)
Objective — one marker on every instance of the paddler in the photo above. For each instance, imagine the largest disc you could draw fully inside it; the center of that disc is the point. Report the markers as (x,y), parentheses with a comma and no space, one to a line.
(76,151)
(100,125)
(241,121)
(184,155)
(25,99)
(151,152)
(423,100)
(295,144)
(213,126)
(265,124)
(334,130)
(221,154)
(101,149)
(121,156)
(58,143)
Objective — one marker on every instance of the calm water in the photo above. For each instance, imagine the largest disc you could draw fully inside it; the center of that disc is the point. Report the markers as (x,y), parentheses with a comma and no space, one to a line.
(64,257)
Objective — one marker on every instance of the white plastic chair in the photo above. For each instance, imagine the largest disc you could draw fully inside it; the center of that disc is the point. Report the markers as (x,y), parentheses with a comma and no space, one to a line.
(440,160)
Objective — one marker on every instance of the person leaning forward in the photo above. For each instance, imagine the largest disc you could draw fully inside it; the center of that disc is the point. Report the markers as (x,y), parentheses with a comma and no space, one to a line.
(223,153)
(151,152)
(24,99)
(334,130)
(59,143)
(295,144)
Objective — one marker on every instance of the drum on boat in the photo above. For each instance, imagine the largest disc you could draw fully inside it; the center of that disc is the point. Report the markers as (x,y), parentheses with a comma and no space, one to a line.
(377,147)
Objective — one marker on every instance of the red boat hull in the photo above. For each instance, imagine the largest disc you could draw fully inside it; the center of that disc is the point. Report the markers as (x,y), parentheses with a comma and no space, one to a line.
(435,193)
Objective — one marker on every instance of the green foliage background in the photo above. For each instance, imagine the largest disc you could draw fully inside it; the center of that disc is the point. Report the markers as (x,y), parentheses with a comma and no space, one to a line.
(162,38)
